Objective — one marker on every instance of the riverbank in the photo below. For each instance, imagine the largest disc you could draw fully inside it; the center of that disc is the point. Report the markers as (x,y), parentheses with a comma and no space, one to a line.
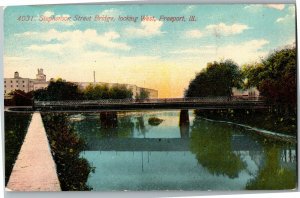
(258,121)
(66,146)
(34,169)
(16,126)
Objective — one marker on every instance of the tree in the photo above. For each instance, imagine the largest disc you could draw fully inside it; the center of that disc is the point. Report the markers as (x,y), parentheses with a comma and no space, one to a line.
(251,74)
(94,92)
(143,94)
(276,79)
(59,90)
(120,92)
(98,91)
(217,79)
(21,98)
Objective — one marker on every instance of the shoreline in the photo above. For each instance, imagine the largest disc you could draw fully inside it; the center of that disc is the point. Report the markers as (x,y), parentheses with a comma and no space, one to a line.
(266,133)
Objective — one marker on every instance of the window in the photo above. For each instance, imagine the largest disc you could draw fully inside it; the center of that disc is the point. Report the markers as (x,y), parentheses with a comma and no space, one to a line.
(5,86)
(11,81)
(23,81)
(10,85)
(17,85)
(5,81)
(23,85)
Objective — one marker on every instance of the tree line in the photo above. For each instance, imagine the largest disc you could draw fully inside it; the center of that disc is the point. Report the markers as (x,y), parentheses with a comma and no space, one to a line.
(274,77)
(60,89)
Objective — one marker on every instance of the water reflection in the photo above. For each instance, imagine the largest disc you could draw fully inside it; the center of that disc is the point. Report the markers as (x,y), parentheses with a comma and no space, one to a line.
(181,155)
(277,173)
(212,144)
(184,124)
(140,125)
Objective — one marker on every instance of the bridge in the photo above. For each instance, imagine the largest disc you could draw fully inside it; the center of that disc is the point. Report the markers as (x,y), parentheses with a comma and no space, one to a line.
(160,103)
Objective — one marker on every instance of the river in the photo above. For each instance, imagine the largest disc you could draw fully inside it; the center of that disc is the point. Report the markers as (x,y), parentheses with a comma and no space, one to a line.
(132,154)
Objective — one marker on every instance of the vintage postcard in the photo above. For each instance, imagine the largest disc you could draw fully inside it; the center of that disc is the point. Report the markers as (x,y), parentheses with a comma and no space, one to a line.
(150,97)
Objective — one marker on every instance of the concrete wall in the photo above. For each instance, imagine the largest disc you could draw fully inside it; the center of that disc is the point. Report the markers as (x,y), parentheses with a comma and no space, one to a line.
(34,169)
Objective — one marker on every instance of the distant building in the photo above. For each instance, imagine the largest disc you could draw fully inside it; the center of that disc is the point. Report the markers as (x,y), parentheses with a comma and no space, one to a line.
(251,92)
(25,84)
(135,89)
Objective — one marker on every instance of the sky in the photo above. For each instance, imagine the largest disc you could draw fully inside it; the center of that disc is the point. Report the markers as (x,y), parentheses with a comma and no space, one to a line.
(159,54)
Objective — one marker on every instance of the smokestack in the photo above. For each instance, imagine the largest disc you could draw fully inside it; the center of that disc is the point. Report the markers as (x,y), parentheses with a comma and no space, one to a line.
(94,77)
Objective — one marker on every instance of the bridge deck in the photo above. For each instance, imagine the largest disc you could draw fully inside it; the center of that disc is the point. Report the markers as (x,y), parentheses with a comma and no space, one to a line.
(162,103)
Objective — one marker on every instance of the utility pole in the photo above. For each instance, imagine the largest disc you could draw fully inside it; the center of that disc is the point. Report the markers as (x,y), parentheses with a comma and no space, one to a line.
(94,77)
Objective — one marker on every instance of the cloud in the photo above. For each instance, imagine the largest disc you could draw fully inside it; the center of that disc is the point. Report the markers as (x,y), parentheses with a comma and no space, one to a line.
(193,34)
(77,39)
(218,30)
(49,13)
(146,29)
(226,30)
(53,48)
(188,9)
(290,17)
(276,6)
(210,49)
(259,7)
(240,53)
(110,12)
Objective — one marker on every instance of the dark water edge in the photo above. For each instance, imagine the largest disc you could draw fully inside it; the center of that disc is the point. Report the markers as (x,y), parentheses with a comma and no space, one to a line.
(261,132)
(16,126)
(262,119)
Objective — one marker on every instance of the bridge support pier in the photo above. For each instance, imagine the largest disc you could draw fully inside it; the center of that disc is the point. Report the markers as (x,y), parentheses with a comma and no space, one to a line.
(109,119)
(184,123)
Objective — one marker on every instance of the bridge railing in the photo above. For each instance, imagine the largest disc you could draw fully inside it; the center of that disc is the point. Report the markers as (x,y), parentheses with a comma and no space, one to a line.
(235,99)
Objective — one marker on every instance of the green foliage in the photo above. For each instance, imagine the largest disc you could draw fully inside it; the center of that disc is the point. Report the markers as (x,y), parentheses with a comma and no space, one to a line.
(276,78)
(212,146)
(16,126)
(59,90)
(143,94)
(154,121)
(273,176)
(98,91)
(217,79)
(66,145)
(251,74)
(21,98)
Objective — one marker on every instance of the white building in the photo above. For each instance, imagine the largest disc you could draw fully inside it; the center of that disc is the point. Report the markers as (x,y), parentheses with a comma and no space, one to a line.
(25,84)
(251,92)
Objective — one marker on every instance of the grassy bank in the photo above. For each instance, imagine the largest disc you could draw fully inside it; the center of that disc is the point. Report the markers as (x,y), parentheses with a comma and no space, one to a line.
(262,119)
(73,171)
(16,126)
